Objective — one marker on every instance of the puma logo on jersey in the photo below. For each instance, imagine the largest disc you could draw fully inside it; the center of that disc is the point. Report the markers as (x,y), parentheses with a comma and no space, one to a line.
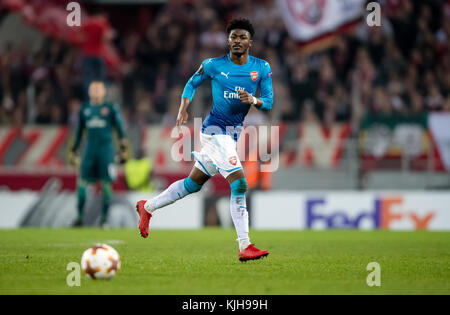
(226,75)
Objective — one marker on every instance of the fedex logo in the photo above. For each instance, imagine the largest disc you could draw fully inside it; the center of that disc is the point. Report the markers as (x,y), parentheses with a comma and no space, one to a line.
(383,214)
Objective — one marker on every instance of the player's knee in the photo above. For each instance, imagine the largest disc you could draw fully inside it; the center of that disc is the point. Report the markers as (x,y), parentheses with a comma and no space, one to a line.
(106,188)
(81,184)
(105,185)
(191,186)
(239,186)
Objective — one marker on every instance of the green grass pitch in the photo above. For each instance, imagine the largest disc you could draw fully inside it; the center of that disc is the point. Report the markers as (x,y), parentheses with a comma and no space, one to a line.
(34,261)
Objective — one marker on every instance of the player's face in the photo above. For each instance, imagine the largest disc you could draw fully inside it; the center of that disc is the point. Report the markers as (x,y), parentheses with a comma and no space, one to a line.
(239,41)
(97,91)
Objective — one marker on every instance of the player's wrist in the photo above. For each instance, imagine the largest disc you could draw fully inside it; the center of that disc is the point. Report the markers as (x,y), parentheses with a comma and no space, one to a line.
(254,100)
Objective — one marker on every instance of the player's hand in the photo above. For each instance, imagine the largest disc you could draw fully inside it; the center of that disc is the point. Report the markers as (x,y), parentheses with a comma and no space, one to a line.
(245,97)
(182,117)
(121,158)
(123,155)
(73,159)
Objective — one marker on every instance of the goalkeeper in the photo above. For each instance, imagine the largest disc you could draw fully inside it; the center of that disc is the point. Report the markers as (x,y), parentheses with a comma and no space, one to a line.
(99,118)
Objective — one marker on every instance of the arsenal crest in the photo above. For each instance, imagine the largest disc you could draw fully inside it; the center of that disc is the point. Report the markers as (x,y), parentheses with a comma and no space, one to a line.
(233,160)
(254,75)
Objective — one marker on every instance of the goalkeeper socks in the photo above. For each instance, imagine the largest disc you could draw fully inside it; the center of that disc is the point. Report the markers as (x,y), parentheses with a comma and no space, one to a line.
(81,193)
(106,200)
(238,210)
(174,192)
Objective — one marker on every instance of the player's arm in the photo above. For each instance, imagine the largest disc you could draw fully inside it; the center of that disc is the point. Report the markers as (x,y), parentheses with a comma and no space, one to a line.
(182,112)
(191,86)
(72,158)
(123,143)
(265,101)
(79,130)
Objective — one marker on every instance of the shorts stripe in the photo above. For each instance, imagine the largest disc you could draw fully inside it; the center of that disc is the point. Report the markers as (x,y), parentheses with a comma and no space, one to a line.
(204,168)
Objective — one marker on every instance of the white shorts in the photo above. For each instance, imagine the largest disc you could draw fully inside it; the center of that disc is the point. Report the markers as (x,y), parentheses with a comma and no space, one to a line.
(218,155)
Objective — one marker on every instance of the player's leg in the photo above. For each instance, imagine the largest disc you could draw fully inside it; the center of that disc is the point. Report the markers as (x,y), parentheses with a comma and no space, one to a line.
(239,214)
(106,200)
(107,173)
(87,176)
(222,150)
(174,192)
(178,190)
(238,206)
(81,200)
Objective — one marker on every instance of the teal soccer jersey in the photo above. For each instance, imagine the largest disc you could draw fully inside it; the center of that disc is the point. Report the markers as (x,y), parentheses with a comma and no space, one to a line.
(227,78)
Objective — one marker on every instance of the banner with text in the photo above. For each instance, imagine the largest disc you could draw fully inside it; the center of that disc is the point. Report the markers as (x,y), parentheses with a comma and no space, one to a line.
(418,210)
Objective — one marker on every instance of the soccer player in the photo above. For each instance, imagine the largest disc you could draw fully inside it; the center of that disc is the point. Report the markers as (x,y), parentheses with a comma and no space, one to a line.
(99,118)
(235,78)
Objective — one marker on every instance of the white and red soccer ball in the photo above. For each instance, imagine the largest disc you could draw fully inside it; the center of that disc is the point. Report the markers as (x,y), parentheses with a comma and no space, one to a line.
(100,261)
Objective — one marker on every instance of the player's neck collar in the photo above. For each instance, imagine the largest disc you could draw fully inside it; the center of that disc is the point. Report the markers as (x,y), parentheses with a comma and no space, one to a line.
(229,58)
(97,104)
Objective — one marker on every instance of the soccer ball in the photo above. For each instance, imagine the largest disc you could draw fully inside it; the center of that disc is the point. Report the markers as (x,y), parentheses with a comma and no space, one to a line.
(100,261)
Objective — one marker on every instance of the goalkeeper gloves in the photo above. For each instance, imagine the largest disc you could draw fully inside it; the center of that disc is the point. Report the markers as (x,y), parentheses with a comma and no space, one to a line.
(123,154)
(72,158)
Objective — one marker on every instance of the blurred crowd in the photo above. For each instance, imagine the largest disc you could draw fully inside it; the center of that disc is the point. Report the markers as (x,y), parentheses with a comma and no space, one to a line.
(399,68)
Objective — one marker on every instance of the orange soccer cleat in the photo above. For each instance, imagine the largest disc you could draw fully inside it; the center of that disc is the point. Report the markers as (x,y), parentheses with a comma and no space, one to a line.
(144,218)
(251,253)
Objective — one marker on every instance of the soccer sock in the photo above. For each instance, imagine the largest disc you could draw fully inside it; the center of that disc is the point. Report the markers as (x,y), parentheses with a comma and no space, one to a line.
(238,210)
(81,192)
(174,192)
(106,200)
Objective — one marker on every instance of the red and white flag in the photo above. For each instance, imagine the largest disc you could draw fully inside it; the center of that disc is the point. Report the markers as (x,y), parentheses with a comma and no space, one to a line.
(308,19)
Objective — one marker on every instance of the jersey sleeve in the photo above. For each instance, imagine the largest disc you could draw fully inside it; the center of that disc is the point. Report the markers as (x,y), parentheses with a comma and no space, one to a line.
(118,121)
(265,87)
(79,129)
(202,74)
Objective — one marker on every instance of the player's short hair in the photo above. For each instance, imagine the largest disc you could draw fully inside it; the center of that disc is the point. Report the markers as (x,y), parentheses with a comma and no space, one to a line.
(241,23)
(97,81)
